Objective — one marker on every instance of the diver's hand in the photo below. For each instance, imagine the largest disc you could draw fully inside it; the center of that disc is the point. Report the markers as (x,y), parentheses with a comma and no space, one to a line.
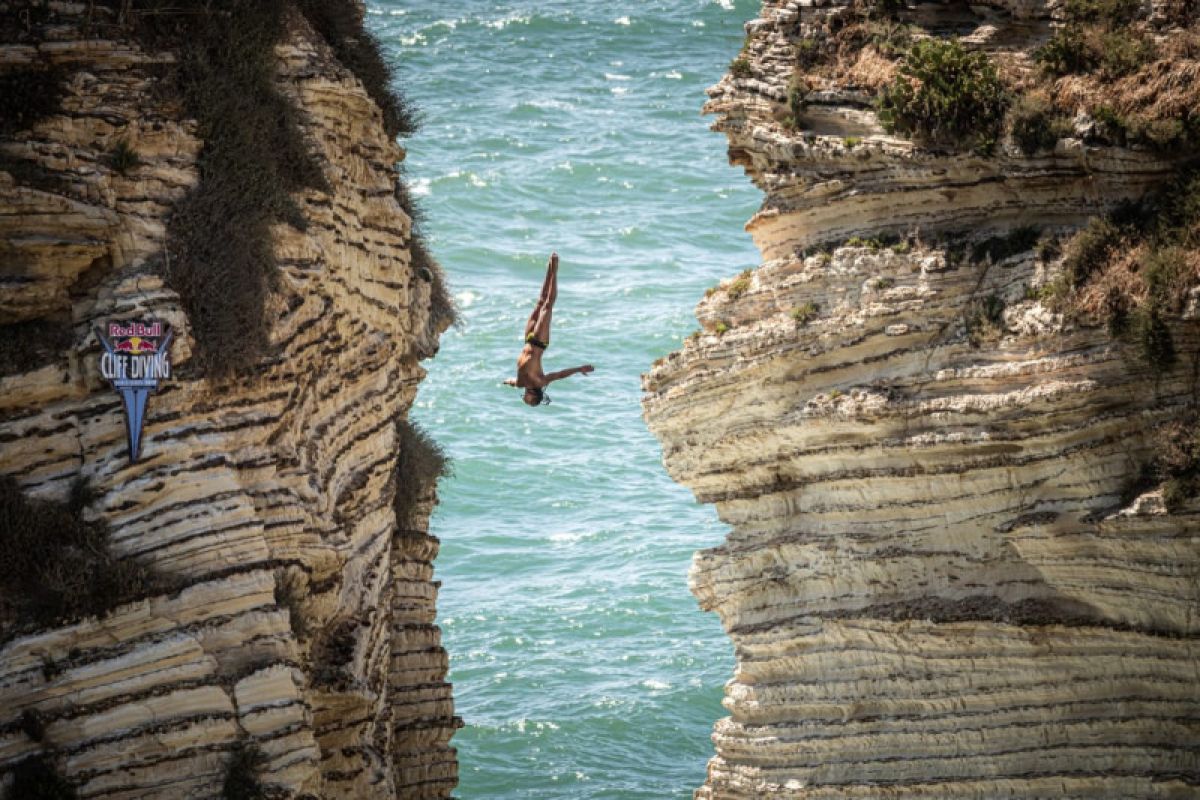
(586,369)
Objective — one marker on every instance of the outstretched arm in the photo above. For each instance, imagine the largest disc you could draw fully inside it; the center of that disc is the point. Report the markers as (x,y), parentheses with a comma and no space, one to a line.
(566,373)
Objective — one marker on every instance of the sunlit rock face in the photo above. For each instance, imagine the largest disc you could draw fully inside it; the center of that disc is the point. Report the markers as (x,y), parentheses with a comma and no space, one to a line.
(301,614)
(942,579)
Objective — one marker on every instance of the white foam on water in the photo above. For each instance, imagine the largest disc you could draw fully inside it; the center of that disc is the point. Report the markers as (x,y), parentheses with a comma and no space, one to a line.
(613,76)
(504,22)
(621,21)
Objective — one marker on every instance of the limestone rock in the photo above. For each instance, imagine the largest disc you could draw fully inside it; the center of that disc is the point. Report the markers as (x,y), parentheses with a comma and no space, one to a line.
(301,619)
(935,583)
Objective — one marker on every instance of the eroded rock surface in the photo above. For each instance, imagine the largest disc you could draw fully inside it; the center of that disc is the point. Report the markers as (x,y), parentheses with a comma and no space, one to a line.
(302,613)
(939,582)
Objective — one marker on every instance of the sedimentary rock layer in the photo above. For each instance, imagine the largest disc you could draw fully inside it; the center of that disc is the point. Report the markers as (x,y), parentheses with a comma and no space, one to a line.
(302,616)
(942,579)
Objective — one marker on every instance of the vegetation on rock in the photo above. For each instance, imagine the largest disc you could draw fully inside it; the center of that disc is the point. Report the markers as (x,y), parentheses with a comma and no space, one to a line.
(37,778)
(241,774)
(945,94)
(58,566)
(419,465)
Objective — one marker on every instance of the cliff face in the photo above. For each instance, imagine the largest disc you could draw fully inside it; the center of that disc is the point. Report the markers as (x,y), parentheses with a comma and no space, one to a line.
(295,612)
(944,576)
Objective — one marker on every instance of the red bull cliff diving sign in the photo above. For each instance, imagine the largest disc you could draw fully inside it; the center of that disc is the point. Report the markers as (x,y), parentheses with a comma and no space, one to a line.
(137,355)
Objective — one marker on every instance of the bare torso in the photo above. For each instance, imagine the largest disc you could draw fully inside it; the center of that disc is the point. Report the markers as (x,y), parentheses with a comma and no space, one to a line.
(529,367)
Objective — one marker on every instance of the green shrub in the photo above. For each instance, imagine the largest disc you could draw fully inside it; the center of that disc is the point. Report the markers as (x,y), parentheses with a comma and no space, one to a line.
(740,286)
(340,23)
(58,567)
(1177,458)
(419,464)
(1110,12)
(740,67)
(721,327)
(1088,251)
(1153,338)
(1077,49)
(802,315)
(29,94)
(984,320)
(945,94)
(808,53)
(123,158)
(797,95)
(241,773)
(37,778)
(850,142)
(1123,52)
(1067,53)
(1035,125)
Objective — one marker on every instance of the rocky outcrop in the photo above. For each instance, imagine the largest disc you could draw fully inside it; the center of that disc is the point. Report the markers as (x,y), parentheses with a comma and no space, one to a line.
(943,578)
(299,615)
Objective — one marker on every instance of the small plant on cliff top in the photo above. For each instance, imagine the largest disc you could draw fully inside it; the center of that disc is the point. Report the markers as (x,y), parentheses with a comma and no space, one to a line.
(1035,125)
(740,285)
(802,315)
(945,94)
(37,778)
(241,773)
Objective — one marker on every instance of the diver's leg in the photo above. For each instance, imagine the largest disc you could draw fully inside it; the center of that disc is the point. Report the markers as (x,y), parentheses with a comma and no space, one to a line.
(542,328)
(550,284)
(548,296)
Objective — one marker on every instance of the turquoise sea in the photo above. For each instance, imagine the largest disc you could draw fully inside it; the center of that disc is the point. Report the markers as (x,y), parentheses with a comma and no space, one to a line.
(581,663)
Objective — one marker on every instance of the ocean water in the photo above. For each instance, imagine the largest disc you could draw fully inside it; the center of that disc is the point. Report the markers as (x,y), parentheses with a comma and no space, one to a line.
(582,666)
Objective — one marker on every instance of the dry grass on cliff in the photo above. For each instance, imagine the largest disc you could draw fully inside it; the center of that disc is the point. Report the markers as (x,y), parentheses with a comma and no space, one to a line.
(1140,84)
(340,23)
(58,566)
(220,254)
(419,464)
(1135,267)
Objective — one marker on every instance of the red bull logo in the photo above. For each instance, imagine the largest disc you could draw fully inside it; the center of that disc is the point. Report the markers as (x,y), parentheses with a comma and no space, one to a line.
(136,357)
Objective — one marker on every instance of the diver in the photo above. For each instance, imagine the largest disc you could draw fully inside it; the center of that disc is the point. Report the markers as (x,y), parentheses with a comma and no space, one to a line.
(530,376)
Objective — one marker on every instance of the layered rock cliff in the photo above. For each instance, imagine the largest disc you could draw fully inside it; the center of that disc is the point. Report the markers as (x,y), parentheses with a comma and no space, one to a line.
(292,613)
(957,566)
